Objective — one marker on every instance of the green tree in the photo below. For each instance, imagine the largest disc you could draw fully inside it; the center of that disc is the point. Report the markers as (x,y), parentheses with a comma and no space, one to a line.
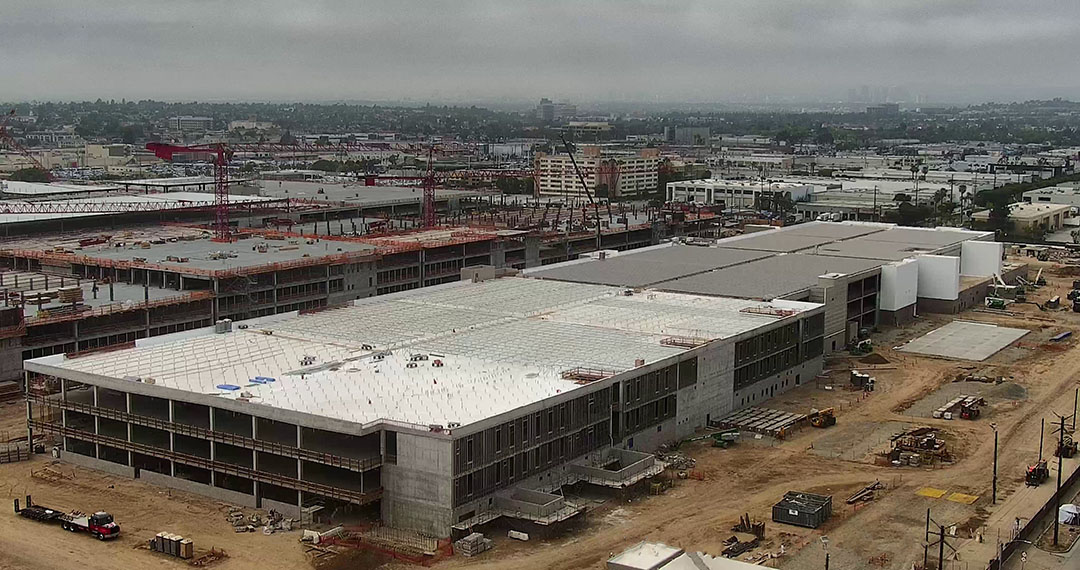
(325,165)
(30,175)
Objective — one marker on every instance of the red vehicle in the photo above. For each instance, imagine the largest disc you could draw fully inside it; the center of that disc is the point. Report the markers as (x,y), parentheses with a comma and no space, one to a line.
(100,524)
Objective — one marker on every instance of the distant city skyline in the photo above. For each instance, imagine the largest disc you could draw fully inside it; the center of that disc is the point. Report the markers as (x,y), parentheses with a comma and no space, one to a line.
(489,51)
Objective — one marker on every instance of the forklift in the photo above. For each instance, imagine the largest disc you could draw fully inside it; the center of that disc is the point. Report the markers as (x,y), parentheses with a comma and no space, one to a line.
(1065,448)
(1037,474)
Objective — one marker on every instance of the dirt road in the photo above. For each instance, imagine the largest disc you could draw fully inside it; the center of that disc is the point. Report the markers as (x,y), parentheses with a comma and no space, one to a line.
(142,511)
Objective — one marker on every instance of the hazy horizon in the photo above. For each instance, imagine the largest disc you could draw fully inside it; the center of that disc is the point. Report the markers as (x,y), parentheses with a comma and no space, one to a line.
(511,53)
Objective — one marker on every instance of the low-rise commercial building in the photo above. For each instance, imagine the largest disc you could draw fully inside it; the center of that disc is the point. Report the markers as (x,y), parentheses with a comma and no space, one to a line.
(1032,217)
(736,193)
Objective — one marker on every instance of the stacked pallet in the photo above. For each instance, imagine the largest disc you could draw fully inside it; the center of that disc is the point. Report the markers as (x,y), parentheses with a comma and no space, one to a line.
(70,294)
(473,544)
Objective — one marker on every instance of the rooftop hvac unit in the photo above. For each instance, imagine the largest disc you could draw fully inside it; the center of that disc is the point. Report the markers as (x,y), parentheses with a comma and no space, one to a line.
(223,326)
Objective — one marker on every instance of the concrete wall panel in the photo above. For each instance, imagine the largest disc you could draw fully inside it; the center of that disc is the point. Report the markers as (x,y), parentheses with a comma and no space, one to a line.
(899,285)
(939,277)
(981,258)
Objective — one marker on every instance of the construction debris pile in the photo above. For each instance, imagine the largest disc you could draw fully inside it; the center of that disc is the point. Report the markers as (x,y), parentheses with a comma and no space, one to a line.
(274,521)
(734,547)
(748,526)
(918,446)
(866,493)
(473,544)
(676,461)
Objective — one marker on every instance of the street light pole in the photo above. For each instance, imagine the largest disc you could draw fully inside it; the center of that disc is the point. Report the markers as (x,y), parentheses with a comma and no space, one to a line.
(993,426)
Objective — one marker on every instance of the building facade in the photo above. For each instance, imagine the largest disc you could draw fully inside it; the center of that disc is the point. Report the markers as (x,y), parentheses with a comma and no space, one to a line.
(617,175)
(425,417)
(736,193)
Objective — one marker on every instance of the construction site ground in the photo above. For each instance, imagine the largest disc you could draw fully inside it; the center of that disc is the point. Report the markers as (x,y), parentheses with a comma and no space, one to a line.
(1038,377)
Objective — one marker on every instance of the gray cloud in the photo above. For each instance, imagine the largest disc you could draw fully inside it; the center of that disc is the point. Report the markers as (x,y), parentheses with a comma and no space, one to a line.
(489,49)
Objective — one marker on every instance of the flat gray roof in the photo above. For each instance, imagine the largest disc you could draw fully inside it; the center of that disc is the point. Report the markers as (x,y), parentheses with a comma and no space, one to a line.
(502,344)
(836,230)
(964,340)
(645,267)
(768,278)
(938,238)
(867,249)
(775,241)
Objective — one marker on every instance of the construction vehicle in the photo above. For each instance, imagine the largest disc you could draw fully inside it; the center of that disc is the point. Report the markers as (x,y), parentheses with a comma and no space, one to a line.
(970,411)
(1037,474)
(865,346)
(100,524)
(823,418)
(1039,279)
(725,439)
(1073,295)
(995,303)
(1065,448)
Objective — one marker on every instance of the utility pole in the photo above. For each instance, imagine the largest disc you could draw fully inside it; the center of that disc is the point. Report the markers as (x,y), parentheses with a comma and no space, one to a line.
(941,542)
(993,426)
(1057,493)
(1042,430)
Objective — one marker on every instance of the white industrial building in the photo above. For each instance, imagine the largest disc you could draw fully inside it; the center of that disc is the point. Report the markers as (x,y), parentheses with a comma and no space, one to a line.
(735,193)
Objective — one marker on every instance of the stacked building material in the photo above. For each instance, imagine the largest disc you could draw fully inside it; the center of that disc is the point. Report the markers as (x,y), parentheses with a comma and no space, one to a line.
(473,544)
(71,294)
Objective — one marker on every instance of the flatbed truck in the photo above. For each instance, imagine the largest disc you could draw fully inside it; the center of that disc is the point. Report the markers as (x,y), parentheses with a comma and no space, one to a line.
(100,525)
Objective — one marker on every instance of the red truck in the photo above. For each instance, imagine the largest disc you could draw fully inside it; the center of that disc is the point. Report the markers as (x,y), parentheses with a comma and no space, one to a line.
(100,524)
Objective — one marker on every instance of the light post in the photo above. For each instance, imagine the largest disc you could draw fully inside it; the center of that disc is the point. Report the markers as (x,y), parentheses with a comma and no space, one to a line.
(993,426)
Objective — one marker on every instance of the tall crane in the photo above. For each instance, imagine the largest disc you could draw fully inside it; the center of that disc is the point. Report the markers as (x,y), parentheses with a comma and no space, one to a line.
(6,139)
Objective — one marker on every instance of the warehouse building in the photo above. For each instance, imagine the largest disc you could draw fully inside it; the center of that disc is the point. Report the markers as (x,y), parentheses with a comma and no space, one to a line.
(447,406)
(865,274)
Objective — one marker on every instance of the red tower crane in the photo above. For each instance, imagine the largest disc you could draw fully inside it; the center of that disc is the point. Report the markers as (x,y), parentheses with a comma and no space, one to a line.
(9,141)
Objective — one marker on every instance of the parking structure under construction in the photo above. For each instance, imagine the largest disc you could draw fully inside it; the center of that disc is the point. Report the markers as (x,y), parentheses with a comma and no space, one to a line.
(465,401)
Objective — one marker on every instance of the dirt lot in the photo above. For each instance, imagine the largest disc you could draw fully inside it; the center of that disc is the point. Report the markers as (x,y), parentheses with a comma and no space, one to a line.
(695,515)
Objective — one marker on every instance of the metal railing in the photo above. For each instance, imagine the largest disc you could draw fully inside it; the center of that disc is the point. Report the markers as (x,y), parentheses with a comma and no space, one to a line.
(332,460)
(329,491)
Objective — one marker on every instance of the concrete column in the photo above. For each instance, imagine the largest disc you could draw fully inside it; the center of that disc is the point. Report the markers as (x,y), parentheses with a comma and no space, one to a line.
(275,291)
(97,423)
(213,476)
(254,453)
(127,398)
(299,464)
(29,412)
(172,439)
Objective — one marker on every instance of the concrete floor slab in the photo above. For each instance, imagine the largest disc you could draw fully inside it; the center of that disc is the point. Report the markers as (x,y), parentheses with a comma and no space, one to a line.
(964,340)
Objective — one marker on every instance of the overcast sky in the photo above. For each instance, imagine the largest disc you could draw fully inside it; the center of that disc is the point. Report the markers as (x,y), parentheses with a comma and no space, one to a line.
(485,50)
